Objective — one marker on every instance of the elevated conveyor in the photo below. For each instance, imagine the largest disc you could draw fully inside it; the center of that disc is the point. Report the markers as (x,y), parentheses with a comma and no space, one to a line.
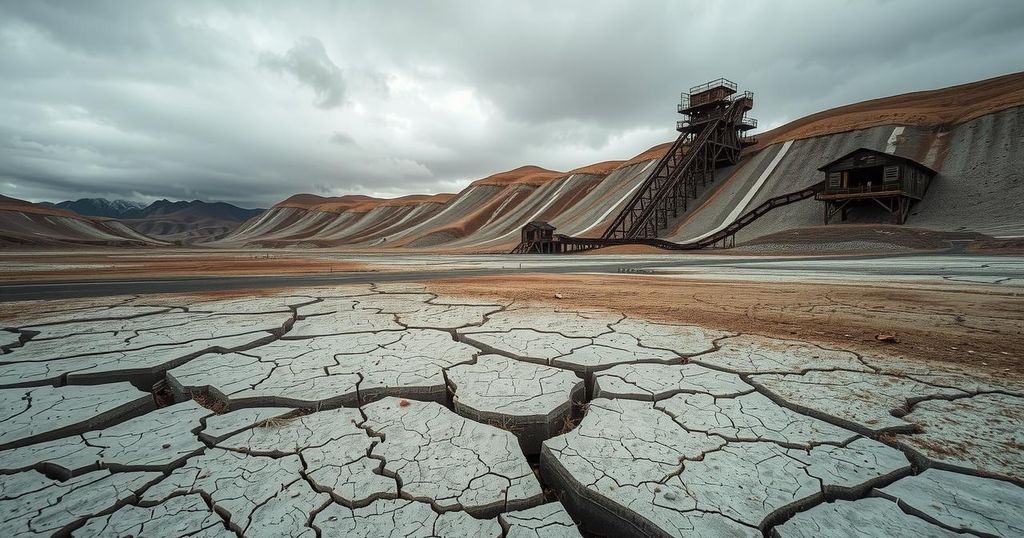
(724,237)
(712,136)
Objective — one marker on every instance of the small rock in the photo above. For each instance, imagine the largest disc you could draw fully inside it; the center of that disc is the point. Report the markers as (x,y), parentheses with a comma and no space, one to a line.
(403,403)
(558,296)
(888,338)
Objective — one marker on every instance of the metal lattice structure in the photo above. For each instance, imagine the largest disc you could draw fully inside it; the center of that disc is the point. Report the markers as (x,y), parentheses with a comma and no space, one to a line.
(725,237)
(713,132)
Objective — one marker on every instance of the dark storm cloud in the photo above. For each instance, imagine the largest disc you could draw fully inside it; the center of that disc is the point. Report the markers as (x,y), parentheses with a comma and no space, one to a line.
(309,63)
(342,139)
(251,102)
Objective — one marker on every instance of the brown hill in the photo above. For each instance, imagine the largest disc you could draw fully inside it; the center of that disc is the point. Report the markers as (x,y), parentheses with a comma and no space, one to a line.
(524,175)
(653,153)
(945,106)
(13,204)
(939,127)
(357,202)
(26,224)
(598,169)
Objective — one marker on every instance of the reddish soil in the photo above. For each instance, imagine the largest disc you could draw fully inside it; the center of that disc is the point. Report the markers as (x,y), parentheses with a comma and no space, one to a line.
(472,221)
(358,203)
(974,326)
(946,106)
(656,152)
(941,107)
(528,175)
(598,169)
(13,204)
(307,201)
(1013,247)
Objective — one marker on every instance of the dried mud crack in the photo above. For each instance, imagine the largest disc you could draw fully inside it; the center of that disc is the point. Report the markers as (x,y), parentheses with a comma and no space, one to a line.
(394,410)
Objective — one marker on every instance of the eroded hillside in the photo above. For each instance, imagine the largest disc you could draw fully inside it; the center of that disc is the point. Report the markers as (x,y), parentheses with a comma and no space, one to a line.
(972,134)
(27,224)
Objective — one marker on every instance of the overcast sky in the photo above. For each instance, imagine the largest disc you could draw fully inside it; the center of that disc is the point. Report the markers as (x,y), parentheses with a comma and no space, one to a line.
(250,102)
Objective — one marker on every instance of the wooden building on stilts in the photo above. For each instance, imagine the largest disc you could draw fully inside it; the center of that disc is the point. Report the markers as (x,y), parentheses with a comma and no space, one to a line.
(538,237)
(866,176)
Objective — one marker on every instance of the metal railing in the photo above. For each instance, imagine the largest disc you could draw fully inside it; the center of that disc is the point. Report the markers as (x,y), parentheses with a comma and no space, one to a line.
(745,95)
(874,187)
(713,84)
(700,119)
(684,99)
(749,123)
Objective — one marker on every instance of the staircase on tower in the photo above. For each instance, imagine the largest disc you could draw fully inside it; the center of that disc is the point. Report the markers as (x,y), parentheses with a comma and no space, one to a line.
(713,131)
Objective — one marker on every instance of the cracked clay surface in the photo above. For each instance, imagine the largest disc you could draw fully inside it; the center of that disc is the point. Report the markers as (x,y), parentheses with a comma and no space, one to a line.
(387,410)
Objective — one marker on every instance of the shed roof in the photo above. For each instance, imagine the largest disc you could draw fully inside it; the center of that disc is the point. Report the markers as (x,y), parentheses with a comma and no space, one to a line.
(539,224)
(887,156)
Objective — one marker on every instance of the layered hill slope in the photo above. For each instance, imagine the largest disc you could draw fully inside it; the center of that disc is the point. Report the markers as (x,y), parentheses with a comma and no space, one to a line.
(27,224)
(188,222)
(486,216)
(972,134)
(179,222)
(310,220)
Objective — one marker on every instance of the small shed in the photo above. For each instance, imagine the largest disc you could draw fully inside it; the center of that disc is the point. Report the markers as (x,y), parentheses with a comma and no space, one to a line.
(867,175)
(538,238)
(538,231)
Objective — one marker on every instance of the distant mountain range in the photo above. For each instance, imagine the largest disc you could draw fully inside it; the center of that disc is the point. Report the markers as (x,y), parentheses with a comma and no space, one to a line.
(27,224)
(127,209)
(187,222)
(99,207)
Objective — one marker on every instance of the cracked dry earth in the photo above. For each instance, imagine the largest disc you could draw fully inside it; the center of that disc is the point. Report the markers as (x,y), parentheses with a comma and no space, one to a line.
(389,411)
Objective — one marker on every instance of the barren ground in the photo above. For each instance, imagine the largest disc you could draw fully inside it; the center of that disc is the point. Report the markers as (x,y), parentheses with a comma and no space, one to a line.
(978,326)
(73,265)
(525,405)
